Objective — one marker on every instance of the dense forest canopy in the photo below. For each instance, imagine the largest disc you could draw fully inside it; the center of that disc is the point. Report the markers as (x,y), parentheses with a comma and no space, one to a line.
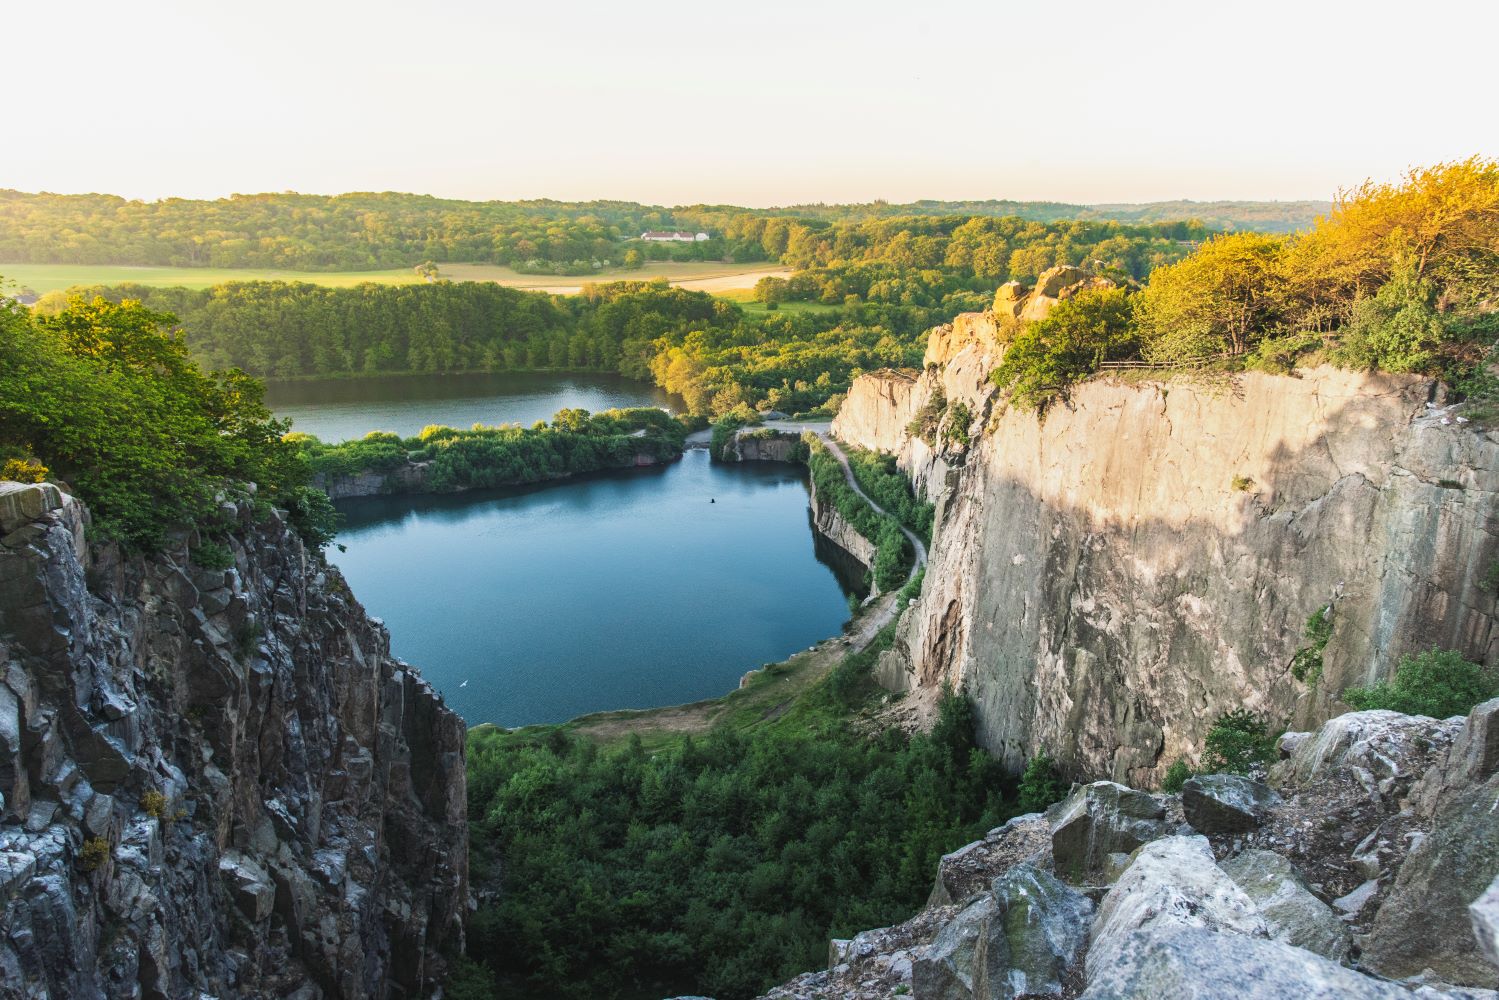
(1398,277)
(364,231)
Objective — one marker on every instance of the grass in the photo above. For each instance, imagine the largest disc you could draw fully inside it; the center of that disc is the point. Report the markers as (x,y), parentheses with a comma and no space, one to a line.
(701,276)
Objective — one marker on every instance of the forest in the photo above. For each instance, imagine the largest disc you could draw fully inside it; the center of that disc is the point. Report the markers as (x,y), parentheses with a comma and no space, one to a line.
(106,398)
(787,829)
(900,278)
(1398,277)
(364,231)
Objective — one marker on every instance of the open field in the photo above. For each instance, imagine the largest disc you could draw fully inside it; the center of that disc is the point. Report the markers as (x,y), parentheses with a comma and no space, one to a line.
(697,276)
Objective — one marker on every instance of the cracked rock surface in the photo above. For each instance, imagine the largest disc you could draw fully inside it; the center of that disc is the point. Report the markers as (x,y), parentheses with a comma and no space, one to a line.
(215,782)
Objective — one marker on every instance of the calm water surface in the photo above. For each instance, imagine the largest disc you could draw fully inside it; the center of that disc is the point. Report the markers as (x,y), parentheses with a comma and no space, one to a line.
(339,409)
(626,590)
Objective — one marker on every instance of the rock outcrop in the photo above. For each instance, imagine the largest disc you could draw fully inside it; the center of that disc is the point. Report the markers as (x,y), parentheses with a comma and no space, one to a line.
(216,781)
(1104,581)
(1232,915)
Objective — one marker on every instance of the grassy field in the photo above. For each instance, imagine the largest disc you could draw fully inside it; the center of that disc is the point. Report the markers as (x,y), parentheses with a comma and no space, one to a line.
(706,277)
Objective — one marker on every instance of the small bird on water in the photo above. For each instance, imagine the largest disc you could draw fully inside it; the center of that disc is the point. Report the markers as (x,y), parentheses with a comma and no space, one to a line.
(712,500)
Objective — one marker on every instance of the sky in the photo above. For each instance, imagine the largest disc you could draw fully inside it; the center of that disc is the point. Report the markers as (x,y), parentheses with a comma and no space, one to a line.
(765,103)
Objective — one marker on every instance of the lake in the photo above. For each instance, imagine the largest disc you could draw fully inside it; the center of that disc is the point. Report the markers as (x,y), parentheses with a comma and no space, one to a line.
(620,590)
(340,409)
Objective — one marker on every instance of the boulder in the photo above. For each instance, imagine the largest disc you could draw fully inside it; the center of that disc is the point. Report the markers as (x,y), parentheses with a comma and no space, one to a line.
(945,968)
(1383,751)
(1484,913)
(1194,963)
(1098,820)
(972,868)
(1172,881)
(22,503)
(1226,803)
(1423,921)
(1054,279)
(1009,300)
(1291,913)
(1038,927)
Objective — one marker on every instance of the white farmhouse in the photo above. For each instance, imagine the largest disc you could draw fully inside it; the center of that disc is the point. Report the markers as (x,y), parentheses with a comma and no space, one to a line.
(677,236)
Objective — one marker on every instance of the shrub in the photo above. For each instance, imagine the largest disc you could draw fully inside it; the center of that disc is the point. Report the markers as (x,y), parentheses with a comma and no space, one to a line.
(1306,665)
(1176,776)
(1237,743)
(95,854)
(956,431)
(1438,683)
(154,803)
(1067,346)
(23,470)
(212,555)
(1243,484)
(929,417)
(1040,785)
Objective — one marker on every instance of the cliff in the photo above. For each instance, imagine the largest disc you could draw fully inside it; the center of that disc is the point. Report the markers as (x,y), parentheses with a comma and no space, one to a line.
(1106,580)
(215,781)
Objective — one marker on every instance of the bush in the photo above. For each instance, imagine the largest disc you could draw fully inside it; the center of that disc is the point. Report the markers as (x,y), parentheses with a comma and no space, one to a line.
(956,431)
(1176,776)
(23,470)
(1040,785)
(212,555)
(1438,683)
(1049,355)
(1237,743)
(94,855)
(1306,665)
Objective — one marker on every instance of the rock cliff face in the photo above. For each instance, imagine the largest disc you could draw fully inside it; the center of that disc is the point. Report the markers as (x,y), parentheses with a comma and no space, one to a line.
(1105,581)
(216,782)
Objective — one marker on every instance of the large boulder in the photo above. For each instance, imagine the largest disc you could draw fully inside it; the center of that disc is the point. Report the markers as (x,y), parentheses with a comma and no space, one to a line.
(945,969)
(1038,927)
(1172,881)
(1384,752)
(1226,803)
(1098,820)
(1423,922)
(1291,913)
(972,868)
(1194,963)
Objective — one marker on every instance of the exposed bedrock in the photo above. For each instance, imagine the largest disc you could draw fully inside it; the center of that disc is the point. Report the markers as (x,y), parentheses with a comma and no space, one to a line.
(214,782)
(1105,581)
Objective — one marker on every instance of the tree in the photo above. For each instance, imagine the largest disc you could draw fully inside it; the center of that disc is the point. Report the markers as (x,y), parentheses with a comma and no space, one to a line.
(1220,300)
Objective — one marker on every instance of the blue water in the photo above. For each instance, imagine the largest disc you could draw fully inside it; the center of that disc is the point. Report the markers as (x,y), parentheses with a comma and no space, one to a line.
(340,409)
(625,590)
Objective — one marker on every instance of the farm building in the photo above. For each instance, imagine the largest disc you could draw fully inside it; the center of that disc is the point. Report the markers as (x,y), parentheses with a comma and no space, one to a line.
(673,237)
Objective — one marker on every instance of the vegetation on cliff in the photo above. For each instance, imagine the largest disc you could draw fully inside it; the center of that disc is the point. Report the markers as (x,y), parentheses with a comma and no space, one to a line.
(1397,277)
(107,398)
(893,555)
(575,441)
(717,865)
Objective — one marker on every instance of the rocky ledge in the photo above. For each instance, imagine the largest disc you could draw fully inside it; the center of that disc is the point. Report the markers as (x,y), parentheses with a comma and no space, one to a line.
(216,781)
(1364,865)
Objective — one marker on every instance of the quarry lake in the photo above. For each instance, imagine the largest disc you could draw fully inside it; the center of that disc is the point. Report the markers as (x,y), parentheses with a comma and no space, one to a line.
(340,409)
(622,590)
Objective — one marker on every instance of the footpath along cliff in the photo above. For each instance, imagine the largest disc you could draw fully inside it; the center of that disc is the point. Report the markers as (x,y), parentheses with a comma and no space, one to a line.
(1105,581)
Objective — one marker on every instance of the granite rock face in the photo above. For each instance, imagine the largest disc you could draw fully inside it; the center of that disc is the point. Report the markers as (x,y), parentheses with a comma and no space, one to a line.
(1105,580)
(215,782)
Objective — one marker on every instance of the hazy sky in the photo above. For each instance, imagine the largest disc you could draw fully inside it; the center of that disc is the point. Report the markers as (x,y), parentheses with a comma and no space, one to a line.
(769,102)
